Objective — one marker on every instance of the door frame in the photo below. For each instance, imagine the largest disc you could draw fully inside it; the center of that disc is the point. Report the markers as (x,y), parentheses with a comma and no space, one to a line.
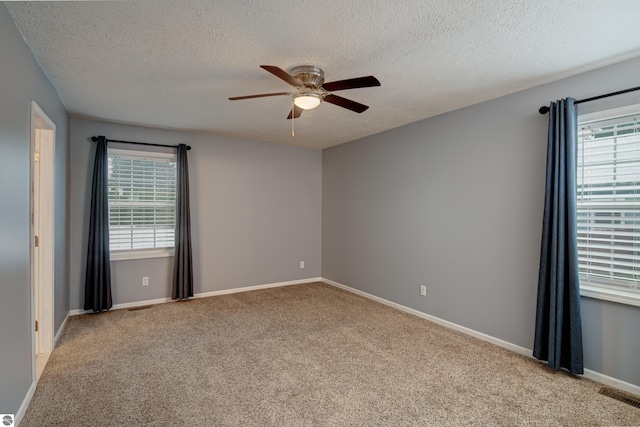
(43,134)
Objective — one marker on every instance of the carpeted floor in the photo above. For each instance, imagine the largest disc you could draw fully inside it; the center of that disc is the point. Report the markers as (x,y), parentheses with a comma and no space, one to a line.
(299,356)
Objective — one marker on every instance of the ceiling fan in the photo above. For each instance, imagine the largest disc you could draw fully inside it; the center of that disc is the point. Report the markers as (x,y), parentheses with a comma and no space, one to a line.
(311,89)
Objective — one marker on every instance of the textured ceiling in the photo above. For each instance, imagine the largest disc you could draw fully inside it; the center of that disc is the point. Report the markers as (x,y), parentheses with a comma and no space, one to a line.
(174,63)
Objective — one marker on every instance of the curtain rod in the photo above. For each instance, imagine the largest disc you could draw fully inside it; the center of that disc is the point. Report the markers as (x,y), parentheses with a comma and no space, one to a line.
(95,139)
(545,109)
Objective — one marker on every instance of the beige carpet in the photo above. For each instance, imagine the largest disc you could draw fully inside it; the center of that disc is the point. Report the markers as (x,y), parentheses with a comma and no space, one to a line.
(304,355)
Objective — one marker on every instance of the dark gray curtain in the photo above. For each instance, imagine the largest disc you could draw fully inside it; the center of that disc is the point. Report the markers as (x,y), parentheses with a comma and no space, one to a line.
(182,265)
(558,329)
(97,285)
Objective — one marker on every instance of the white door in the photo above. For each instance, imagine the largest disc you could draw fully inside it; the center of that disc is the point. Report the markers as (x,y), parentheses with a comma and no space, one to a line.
(36,220)
(42,259)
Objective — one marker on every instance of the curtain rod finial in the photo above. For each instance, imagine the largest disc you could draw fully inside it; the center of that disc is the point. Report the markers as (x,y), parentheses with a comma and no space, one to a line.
(188,147)
(94,138)
(543,110)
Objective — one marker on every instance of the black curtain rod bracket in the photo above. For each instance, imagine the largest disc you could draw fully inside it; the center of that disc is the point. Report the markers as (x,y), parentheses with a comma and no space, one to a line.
(95,139)
(544,109)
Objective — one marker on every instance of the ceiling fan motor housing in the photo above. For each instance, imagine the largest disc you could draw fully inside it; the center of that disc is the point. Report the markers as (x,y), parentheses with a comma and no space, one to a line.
(310,75)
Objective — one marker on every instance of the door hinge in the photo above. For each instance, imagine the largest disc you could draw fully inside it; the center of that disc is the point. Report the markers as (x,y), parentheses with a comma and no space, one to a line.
(36,326)
(36,156)
(37,241)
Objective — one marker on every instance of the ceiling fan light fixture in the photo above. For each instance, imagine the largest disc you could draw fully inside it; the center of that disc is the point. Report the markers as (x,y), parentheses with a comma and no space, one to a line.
(307,101)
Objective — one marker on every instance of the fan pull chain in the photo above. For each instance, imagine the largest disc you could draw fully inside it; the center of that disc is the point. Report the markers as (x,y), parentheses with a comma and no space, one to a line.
(293,117)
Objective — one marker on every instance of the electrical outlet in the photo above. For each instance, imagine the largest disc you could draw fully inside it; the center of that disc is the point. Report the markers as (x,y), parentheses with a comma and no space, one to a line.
(423,290)
(301,264)
(145,281)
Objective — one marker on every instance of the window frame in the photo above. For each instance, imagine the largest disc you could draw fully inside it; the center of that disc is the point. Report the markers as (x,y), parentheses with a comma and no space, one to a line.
(131,254)
(593,289)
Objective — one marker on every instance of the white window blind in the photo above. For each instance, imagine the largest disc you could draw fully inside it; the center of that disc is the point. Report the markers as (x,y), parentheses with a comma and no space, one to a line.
(142,197)
(609,204)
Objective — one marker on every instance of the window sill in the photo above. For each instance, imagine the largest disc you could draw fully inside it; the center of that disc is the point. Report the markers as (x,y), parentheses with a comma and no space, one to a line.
(141,254)
(619,296)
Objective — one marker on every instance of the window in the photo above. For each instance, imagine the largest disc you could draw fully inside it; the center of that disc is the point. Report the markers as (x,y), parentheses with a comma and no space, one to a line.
(142,198)
(609,206)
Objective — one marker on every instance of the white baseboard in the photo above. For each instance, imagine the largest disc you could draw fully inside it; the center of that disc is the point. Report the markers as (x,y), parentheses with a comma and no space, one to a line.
(25,404)
(60,329)
(204,294)
(612,382)
(592,375)
(257,287)
(124,305)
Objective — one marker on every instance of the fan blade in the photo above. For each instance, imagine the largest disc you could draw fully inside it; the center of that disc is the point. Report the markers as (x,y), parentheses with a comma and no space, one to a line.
(368,81)
(346,103)
(235,98)
(295,112)
(279,72)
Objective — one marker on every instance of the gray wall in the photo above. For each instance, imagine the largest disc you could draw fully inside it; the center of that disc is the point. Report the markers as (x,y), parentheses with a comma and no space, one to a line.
(455,203)
(255,212)
(21,81)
